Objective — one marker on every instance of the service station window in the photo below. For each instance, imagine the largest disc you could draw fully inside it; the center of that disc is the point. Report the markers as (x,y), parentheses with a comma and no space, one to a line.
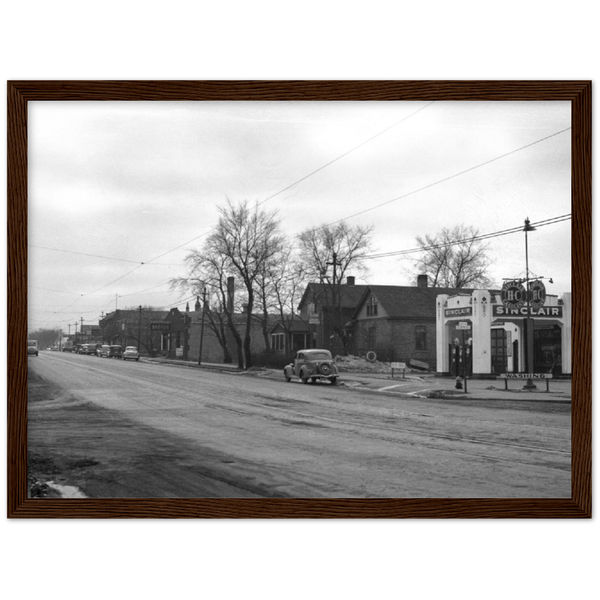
(420,337)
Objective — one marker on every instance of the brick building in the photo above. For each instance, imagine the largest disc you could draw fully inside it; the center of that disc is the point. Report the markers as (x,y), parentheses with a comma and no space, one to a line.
(398,323)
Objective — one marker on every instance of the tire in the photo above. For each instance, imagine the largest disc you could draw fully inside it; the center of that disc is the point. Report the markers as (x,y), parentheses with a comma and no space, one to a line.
(371,356)
(304,377)
(333,381)
(325,369)
(313,379)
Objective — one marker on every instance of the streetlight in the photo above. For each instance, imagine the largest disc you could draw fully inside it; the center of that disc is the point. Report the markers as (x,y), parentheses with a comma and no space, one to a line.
(528,321)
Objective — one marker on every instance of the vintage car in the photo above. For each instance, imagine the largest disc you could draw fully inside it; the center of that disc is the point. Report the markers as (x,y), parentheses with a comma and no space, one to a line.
(311,365)
(107,351)
(131,353)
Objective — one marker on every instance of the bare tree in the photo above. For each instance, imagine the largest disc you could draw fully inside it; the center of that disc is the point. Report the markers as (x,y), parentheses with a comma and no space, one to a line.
(333,250)
(245,244)
(347,245)
(454,258)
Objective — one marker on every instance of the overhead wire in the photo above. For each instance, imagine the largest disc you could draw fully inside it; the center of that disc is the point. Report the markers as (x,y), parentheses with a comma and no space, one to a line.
(438,182)
(262,202)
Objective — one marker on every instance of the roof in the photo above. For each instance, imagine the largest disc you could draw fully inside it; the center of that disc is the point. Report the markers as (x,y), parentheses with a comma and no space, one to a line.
(292,324)
(350,295)
(407,301)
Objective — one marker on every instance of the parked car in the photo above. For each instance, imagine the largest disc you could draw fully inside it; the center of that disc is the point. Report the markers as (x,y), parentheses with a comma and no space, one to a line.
(312,365)
(131,353)
(32,349)
(108,351)
(115,352)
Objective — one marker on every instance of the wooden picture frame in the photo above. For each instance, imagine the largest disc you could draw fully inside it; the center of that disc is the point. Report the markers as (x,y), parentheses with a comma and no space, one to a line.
(577,92)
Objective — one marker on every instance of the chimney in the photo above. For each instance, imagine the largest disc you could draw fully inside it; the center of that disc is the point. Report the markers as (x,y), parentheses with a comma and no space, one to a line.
(350,280)
(230,281)
(422,281)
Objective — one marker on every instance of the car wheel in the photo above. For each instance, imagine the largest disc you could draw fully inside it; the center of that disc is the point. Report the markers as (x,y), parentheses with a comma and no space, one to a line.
(313,379)
(304,377)
(333,380)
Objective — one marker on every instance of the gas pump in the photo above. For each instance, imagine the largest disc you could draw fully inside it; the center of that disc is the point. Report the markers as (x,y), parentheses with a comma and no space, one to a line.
(464,356)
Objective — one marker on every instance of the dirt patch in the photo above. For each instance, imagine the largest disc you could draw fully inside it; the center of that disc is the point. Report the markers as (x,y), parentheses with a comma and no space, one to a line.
(358,364)
(72,442)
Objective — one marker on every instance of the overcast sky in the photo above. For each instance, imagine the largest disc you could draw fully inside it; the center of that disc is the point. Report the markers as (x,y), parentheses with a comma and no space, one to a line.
(114,185)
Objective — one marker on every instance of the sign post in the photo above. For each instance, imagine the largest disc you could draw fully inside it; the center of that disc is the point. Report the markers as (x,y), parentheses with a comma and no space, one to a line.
(399,366)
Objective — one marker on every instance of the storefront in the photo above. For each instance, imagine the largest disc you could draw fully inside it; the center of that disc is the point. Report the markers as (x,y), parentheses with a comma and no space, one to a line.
(479,336)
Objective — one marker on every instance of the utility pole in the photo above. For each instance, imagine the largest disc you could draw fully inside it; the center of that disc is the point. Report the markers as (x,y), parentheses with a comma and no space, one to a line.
(333,299)
(81,329)
(202,326)
(140,330)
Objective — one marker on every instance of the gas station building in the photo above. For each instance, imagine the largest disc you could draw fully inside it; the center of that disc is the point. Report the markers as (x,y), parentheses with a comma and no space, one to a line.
(480,336)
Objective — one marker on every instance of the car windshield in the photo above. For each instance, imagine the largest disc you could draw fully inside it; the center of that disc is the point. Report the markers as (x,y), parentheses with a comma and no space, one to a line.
(131,349)
(318,355)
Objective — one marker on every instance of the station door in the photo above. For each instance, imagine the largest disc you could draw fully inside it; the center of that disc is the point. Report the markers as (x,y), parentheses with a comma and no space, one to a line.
(499,351)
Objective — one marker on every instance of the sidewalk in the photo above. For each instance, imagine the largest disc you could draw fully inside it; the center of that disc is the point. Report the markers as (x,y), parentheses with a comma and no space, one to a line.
(430,386)
(415,385)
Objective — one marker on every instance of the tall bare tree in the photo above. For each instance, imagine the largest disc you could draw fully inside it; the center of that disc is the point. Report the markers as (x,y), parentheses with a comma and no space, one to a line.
(332,251)
(454,258)
(347,244)
(244,244)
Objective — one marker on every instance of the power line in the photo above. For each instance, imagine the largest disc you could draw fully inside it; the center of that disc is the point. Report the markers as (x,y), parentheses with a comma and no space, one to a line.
(484,236)
(450,177)
(346,153)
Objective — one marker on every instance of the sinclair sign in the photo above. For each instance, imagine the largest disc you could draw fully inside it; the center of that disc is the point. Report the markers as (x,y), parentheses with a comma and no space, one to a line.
(548,312)
(515,299)
(513,294)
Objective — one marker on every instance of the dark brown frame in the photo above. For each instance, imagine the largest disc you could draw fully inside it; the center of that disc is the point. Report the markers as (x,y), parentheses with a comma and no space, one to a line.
(577,92)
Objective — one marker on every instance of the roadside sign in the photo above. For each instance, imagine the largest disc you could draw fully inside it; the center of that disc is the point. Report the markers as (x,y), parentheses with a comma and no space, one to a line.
(398,366)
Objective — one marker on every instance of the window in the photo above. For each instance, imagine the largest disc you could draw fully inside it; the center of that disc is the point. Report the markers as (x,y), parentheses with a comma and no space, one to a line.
(420,337)
(372,307)
(277,342)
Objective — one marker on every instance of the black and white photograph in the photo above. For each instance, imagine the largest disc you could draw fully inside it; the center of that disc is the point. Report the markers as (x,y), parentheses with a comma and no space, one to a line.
(303,299)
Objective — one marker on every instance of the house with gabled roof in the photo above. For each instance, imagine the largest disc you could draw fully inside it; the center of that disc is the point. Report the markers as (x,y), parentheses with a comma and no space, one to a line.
(398,323)
(325,308)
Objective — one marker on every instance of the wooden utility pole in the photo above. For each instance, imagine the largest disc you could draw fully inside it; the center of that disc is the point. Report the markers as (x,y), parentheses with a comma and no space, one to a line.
(202,326)
(334,307)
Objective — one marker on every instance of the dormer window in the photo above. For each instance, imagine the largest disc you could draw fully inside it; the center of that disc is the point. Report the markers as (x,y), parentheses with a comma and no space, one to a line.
(372,307)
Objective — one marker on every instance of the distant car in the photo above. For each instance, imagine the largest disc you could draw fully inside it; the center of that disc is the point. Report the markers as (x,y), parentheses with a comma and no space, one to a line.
(115,352)
(131,353)
(312,365)
(32,349)
(107,351)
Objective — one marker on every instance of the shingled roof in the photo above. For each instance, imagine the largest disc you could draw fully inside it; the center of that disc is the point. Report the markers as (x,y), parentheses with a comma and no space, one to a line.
(407,301)
(350,295)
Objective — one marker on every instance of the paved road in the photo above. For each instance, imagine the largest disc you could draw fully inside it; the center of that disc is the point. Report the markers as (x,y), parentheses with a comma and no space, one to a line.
(274,439)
